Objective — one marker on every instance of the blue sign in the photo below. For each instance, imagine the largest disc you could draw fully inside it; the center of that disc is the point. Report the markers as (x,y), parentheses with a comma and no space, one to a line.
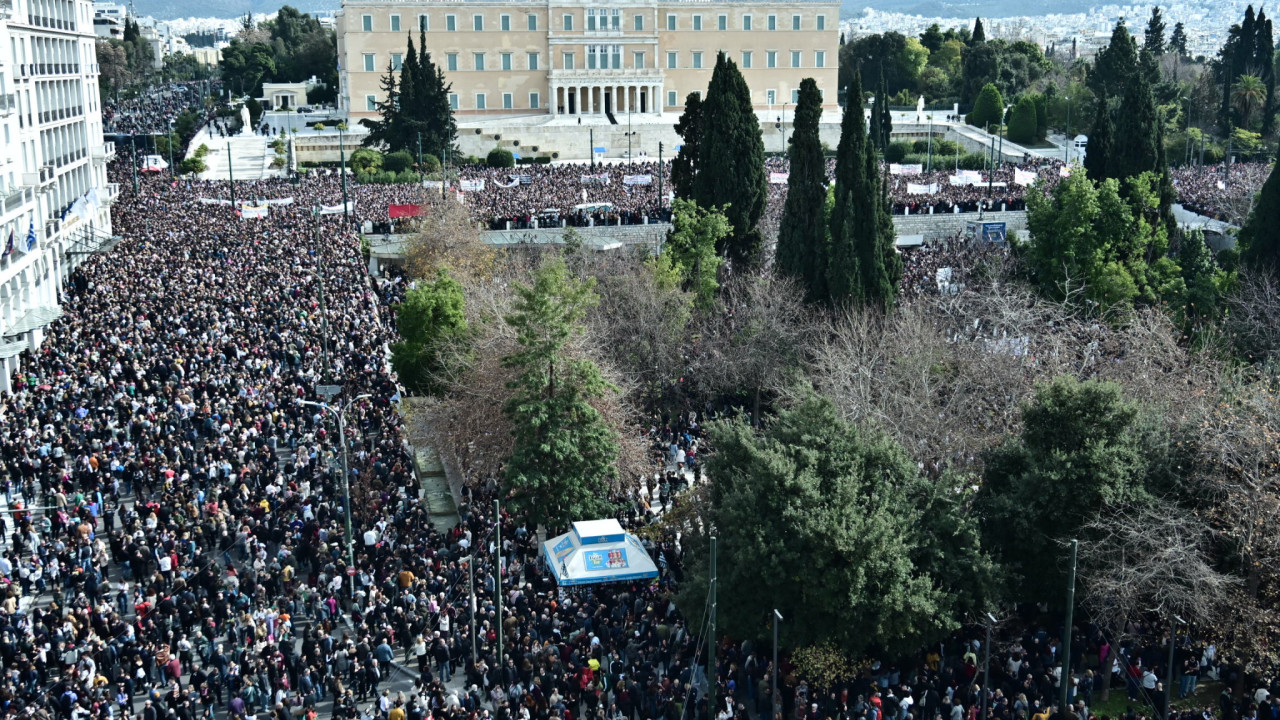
(613,559)
(562,548)
(993,231)
(599,148)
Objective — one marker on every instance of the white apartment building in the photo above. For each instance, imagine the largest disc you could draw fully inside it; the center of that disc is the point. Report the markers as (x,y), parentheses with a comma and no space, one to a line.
(53,176)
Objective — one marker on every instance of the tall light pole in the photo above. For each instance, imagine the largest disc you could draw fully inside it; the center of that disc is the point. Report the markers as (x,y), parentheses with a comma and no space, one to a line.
(342,155)
(169,141)
(775,696)
(1066,145)
(346,480)
(1174,622)
(1065,680)
(986,669)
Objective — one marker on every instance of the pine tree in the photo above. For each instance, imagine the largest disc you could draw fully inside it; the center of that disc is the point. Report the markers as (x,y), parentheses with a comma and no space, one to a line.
(684,166)
(441,132)
(731,173)
(859,270)
(1260,236)
(886,117)
(1115,64)
(1100,142)
(802,234)
(388,129)
(979,35)
(410,101)
(1153,40)
(1178,40)
(1136,123)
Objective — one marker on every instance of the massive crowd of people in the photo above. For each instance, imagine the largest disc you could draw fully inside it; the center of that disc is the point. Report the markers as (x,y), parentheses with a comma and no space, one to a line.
(1220,193)
(152,113)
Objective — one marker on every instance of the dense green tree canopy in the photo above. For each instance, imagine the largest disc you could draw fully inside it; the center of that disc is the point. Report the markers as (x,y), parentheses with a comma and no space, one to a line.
(431,321)
(802,234)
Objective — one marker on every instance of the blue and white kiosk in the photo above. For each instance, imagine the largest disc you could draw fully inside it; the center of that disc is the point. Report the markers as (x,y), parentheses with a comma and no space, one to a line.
(597,551)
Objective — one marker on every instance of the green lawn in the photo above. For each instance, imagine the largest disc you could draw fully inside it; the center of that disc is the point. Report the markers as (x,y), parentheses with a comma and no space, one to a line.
(1115,706)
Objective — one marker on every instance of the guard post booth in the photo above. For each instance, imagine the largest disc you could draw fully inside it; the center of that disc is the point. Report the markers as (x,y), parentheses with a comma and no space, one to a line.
(597,551)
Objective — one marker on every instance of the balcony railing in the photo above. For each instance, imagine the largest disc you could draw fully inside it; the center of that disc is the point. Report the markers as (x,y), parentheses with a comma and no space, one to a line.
(6,9)
(113,192)
(19,197)
(8,104)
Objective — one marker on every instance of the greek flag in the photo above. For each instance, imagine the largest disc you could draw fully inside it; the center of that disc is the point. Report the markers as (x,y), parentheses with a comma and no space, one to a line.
(30,244)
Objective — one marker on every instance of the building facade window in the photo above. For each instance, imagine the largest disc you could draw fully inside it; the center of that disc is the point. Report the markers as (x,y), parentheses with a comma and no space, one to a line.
(451,23)
(746,59)
(451,62)
(505,23)
(820,59)
(637,60)
(508,101)
(671,22)
(795,97)
(397,61)
(366,23)
(795,22)
(616,55)
(671,98)
(615,19)
(453,101)
(477,61)
(533,23)
(671,60)
(746,23)
(771,97)
(568,23)
(395,23)
(477,23)
(533,61)
(506,61)
(368,62)
(535,100)
(566,61)
(697,22)
(773,22)
(591,19)
(822,22)
(371,103)
(722,23)
(424,22)
(697,61)
(481,102)
(637,23)
(771,59)
(795,58)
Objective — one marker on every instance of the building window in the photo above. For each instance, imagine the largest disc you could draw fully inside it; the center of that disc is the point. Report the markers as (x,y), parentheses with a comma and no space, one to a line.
(773,22)
(697,61)
(746,59)
(508,101)
(795,58)
(795,22)
(770,97)
(638,23)
(568,23)
(746,23)
(504,22)
(477,23)
(567,61)
(533,61)
(615,19)
(591,56)
(771,59)
(638,60)
(453,101)
(591,19)
(368,62)
(477,61)
(671,22)
(820,59)
(481,103)
(722,23)
(671,60)
(822,22)
(617,57)
(671,98)
(697,22)
(371,103)
(506,61)
(395,23)
(795,97)
(424,22)
(451,23)
(535,101)
(451,62)
(533,23)
(397,60)
(366,23)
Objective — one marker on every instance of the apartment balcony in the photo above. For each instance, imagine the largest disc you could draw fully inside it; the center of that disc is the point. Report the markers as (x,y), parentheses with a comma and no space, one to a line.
(39,179)
(6,9)
(51,23)
(8,104)
(68,113)
(112,193)
(19,197)
(104,152)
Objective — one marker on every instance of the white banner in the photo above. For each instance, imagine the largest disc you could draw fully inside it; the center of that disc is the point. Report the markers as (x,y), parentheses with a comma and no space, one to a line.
(1065,171)
(248,212)
(637,179)
(335,209)
(600,179)
(281,201)
(472,185)
(966,177)
(916,189)
(433,184)
(215,201)
(514,182)
(1023,177)
(779,178)
(896,169)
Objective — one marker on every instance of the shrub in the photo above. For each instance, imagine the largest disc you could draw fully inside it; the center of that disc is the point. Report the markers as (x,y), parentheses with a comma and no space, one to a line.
(192,164)
(920,146)
(398,161)
(202,150)
(255,110)
(988,109)
(896,151)
(430,163)
(945,147)
(1022,121)
(365,160)
(408,177)
(500,158)
(543,160)
(973,161)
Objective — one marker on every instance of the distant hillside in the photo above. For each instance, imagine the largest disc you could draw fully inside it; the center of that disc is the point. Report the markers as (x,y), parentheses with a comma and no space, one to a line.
(969,8)
(175,9)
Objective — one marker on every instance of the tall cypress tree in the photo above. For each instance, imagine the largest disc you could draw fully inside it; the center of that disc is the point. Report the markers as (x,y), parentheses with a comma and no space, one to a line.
(1137,124)
(979,35)
(802,235)
(873,122)
(410,101)
(441,130)
(886,117)
(1265,60)
(1260,236)
(731,171)
(1153,40)
(684,166)
(859,268)
(1100,142)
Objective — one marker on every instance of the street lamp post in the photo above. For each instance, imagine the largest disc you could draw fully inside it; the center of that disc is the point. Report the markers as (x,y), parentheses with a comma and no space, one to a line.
(346,480)
(986,669)
(1174,622)
(342,155)
(1066,145)
(774,695)
(169,142)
